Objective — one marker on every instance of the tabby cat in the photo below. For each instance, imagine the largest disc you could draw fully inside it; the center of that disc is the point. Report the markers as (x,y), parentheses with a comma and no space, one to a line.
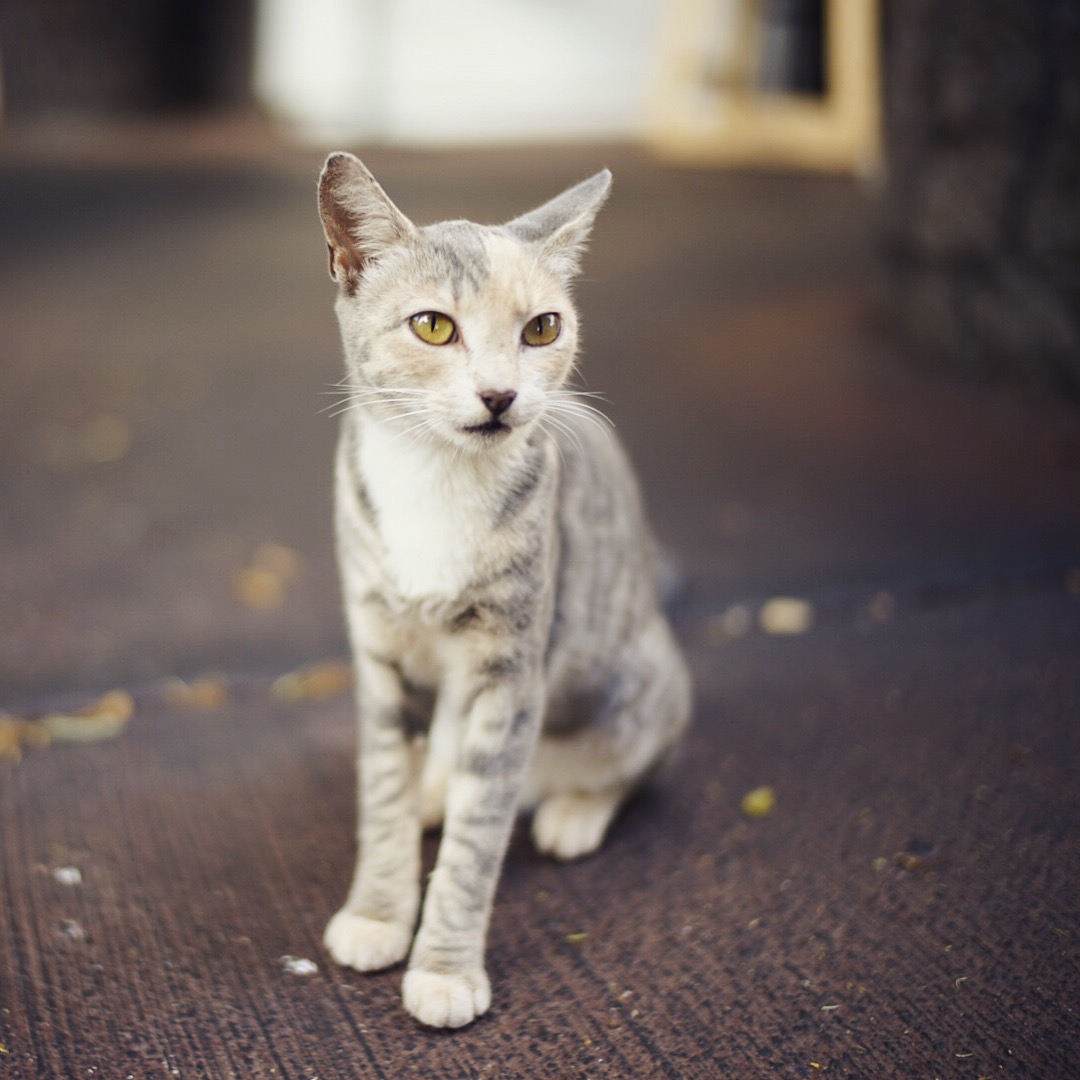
(500,581)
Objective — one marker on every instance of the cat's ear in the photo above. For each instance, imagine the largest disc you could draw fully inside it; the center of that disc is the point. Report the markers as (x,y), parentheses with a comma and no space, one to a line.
(561,226)
(358,218)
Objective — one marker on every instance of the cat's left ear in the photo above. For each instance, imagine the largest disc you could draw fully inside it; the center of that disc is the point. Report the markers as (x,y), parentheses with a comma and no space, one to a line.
(358,218)
(562,225)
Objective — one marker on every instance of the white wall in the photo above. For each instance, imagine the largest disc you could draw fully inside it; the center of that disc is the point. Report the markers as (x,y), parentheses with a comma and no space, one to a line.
(473,71)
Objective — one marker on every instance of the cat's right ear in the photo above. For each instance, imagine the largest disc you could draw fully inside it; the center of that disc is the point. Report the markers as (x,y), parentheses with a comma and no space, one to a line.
(358,218)
(562,225)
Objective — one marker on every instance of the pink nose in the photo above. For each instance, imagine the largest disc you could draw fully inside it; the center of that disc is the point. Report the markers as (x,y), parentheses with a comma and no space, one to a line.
(497,401)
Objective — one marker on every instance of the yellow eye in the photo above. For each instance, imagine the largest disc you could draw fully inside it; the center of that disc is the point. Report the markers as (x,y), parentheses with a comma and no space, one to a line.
(542,330)
(434,328)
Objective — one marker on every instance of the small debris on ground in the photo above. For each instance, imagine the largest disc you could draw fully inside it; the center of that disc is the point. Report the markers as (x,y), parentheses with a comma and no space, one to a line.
(919,855)
(759,803)
(72,930)
(67,875)
(205,693)
(258,589)
(316,681)
(262,584)
(299,965)
(786,615)
(101,719)
(17,735)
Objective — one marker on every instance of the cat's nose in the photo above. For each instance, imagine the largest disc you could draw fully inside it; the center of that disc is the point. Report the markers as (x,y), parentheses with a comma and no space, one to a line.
(497,401)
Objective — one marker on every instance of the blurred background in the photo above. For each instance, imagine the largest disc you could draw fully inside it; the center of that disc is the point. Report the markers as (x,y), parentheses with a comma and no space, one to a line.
(816,204)
(833,308)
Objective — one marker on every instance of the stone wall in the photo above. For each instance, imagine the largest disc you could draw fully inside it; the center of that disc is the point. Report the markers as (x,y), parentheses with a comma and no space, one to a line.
(982,227)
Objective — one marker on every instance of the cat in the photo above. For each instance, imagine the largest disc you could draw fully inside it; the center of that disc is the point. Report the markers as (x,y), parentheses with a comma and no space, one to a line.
(499,578)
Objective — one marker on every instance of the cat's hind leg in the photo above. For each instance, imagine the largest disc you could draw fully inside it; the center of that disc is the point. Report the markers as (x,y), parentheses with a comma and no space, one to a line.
(443,744)
(573,824)
(578,782)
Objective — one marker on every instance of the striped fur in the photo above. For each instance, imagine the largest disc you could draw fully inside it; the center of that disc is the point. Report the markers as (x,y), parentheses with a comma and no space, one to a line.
(500,580)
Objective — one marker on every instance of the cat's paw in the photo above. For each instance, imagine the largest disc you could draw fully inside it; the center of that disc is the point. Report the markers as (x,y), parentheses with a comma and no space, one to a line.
(569,826)
(446,1000)
(365,944)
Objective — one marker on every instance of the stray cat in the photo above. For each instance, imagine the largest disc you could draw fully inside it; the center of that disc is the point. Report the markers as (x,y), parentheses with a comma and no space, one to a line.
(500,581)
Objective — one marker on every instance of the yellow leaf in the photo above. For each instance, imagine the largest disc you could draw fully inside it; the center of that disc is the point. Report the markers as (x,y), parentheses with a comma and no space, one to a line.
(310,683)
(759,803)
(101,719)
(209,692)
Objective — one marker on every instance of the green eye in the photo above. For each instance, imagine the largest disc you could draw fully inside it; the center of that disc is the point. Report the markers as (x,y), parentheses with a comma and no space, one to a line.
(434,328)
(542,330)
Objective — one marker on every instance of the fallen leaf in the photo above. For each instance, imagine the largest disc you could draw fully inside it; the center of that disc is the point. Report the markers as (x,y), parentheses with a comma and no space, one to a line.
(278,559)
(206,693)
(102,719)
(316,681)
(786,615)
(759,803)
(262,584)
(258,589)
(11,739)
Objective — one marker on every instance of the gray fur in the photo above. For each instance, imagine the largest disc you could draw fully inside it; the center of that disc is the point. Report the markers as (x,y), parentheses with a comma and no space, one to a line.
(499,576)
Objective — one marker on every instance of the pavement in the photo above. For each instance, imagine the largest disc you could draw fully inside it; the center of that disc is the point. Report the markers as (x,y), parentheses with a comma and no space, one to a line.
(907,908)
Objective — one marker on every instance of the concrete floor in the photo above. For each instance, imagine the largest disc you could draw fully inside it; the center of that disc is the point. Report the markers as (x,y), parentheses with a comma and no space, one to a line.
(908,908)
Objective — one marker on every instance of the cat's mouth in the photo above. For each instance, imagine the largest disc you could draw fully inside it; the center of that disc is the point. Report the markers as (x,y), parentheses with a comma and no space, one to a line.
(489,429)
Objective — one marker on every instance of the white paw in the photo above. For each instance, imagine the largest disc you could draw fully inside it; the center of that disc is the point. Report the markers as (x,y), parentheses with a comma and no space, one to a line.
(569,826)
(365,944)
(442,1000)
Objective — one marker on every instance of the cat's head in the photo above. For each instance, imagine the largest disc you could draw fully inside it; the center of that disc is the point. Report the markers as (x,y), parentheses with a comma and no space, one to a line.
(457,332)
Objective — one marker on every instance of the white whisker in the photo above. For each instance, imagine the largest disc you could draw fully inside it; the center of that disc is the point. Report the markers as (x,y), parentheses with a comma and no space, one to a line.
(571,401)
(569,408)
(567,431)
(354,396)
(542,424)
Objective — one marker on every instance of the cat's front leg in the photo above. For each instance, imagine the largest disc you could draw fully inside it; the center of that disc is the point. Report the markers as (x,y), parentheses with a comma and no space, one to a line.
(374,928)
(446,984)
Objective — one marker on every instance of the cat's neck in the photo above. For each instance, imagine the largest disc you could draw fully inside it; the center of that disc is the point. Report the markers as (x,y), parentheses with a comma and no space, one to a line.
(436,505)
(423,461)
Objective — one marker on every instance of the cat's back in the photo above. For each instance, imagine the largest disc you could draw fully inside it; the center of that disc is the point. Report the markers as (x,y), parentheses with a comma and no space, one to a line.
(599,493)
(608,559)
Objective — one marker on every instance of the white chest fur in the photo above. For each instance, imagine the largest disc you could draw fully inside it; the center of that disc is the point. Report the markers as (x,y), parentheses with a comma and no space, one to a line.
(435,511)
